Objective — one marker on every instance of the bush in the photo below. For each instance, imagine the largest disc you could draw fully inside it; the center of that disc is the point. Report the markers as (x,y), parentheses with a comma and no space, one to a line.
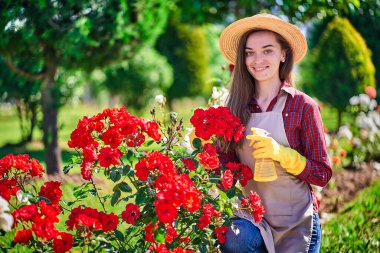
(339,67)
(167,198)
(185,46)
(137,81)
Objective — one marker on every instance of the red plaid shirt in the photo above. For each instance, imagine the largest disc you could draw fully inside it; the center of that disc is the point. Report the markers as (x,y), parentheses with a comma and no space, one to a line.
(305,133)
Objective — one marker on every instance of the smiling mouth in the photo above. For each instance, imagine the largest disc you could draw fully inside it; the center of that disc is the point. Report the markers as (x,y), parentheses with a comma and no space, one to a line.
(259,69)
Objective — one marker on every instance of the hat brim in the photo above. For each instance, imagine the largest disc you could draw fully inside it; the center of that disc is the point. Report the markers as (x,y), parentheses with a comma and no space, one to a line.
(230,37)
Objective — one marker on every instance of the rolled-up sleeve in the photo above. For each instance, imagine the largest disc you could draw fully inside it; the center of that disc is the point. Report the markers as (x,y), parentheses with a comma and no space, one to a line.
(318,168)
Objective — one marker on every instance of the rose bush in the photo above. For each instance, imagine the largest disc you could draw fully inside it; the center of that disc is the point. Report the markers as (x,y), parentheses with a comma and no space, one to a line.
(167,199)
(358,140)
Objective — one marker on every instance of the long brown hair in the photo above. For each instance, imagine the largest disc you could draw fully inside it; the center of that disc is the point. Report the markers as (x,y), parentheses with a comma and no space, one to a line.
(243,84)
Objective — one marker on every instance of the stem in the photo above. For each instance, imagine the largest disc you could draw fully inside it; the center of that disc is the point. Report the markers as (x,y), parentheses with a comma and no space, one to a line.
(131,236)
(97,195)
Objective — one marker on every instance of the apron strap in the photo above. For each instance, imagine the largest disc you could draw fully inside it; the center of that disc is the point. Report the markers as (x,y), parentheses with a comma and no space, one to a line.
(281,101)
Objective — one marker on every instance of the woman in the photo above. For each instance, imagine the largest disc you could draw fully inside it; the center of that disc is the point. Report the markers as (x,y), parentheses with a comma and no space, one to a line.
(263,49)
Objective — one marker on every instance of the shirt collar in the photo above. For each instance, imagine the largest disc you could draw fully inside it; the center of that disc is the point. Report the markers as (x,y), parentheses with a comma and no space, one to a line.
(287,87)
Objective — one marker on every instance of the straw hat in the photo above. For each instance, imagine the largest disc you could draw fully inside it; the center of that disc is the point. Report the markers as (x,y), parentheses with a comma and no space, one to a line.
(229,40)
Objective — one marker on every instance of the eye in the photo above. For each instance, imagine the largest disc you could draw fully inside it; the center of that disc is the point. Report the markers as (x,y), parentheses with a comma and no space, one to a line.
(268,51)
(249,53)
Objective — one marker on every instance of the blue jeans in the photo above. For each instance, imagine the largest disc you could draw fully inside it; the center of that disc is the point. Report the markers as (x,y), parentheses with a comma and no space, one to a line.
(244,237)
(316,235)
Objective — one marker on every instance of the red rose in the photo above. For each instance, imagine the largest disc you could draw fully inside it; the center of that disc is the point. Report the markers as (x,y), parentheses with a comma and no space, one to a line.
(165,211)
(149,233)
(109,221)
(189,163)
(203,221)
(131,213)
(227,180)
(221,234)
(26,213)
(51,190)
(44,228)
(171,234)
(36,168)
(142,169)
(181,250)
(109,156)
(192,201)
(208,161)
(63,242)
(158,248)
(112,137)
(23,236)
(86,170)
(153,130)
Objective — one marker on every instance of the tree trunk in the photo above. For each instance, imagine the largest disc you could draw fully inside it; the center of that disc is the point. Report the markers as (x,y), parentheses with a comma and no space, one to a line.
(339,120)
(50,117)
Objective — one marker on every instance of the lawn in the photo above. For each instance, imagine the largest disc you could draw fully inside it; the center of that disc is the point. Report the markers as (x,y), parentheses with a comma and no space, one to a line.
(356,228)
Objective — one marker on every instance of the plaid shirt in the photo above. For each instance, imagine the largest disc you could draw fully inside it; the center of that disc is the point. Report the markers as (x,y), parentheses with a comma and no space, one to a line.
(305,132)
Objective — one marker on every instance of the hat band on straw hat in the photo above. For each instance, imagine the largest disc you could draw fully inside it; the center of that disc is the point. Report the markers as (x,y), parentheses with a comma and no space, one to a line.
(230,37)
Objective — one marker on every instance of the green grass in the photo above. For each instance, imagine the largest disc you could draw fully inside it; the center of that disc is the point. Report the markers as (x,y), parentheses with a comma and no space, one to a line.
(357,227)
(330,118)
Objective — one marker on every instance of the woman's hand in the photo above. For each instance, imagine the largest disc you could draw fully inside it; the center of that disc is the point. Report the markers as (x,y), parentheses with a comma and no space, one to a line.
(267,147)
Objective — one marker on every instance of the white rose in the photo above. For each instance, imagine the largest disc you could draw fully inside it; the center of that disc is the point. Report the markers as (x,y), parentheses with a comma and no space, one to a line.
(328,139)
(354,100)
(160,100)
(344,131)
(6,219)
(185,143)
(372,104)
(364,100)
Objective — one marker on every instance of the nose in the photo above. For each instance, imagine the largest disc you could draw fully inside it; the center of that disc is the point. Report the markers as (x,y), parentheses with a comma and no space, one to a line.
(257,58)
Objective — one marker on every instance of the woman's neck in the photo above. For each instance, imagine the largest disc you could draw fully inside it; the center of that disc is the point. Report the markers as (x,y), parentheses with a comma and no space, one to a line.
(267,91)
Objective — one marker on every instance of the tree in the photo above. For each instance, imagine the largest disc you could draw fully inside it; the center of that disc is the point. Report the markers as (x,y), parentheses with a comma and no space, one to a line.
(137,81)
(26,96)
(367,21)
(73,35)
(340,66)
(185,47)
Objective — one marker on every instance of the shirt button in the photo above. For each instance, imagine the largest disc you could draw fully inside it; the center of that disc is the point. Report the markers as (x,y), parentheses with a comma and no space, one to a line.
(286,115)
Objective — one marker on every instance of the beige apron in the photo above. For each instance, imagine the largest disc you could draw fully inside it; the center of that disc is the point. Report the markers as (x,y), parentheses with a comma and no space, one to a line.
(287,223)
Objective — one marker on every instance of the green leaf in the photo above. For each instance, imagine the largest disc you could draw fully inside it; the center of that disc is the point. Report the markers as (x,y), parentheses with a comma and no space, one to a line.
(115,197)
(231,193)
(223,195)
(126,169)
(140,198)
(67,168)
(159,234)
(40,198)
(119,235)
(228,210)
(214,180)
(115,175)
(123,186)
(148,143)
(92,192)
(197,143)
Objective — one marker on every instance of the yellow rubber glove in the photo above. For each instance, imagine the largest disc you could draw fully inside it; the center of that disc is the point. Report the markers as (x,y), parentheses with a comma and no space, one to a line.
(267,147)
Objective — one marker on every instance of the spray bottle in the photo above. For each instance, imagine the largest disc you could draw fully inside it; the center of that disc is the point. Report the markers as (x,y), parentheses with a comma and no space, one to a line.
(265,170)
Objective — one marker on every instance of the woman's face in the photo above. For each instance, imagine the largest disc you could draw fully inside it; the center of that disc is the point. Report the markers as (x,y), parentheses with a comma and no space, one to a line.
(263,55)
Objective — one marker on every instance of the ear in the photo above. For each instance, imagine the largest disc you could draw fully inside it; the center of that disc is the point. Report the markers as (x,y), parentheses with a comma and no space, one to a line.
(283,56)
